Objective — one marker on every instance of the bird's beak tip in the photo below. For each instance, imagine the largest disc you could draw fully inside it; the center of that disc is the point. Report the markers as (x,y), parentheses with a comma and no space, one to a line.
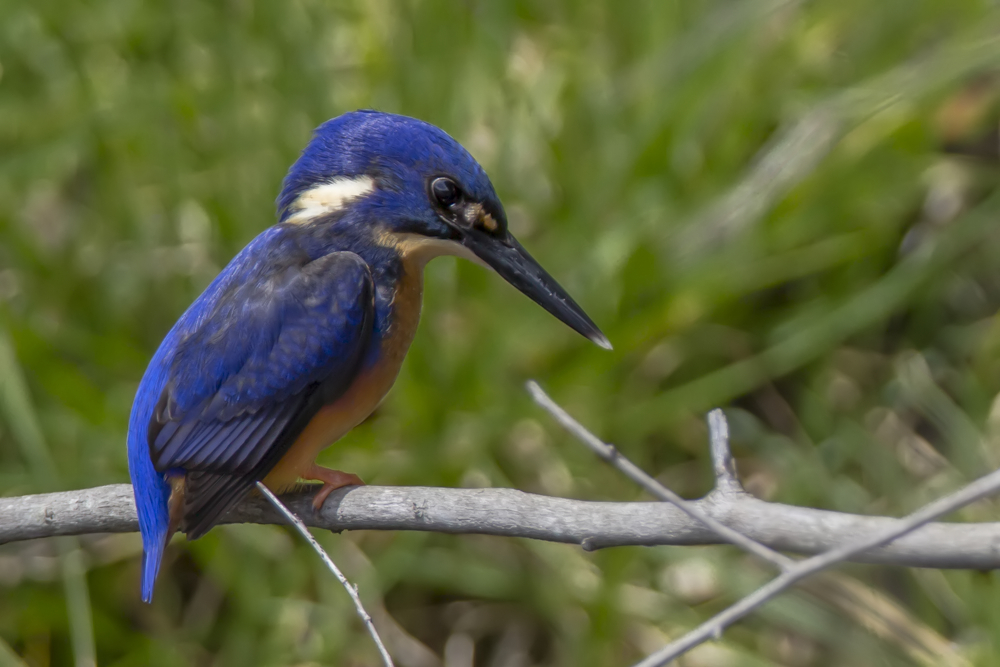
(601,340)
(517,267)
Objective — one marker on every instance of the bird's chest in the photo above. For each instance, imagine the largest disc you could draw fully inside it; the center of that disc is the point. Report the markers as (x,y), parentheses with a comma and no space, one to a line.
(379,373)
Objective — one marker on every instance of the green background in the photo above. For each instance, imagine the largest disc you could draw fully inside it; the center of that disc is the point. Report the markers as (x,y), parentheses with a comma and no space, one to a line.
(783,208)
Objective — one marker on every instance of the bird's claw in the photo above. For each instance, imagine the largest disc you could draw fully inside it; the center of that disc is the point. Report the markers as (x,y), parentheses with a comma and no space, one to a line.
(332,480)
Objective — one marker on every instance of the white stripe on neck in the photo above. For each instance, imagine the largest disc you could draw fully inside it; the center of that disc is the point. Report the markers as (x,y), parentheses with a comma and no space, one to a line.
(329,197)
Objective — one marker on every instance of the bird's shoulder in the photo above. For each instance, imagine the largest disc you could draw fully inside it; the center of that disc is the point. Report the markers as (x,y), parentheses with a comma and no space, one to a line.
(274,321)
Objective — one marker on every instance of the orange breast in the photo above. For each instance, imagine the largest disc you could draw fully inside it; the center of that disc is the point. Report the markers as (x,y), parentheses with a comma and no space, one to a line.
(365,393)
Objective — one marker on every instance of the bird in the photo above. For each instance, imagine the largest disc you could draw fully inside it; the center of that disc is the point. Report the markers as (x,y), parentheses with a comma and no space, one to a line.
(301,336)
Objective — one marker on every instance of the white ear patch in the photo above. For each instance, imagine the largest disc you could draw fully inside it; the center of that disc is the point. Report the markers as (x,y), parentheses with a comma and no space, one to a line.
(329,197)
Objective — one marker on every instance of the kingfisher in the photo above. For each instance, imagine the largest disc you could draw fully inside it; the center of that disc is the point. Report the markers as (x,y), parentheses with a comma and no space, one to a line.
(301,336)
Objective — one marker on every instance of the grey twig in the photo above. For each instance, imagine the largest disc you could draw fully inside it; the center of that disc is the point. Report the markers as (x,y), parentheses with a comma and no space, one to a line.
(610,454)
(712,629)
(726,481)
(351,589)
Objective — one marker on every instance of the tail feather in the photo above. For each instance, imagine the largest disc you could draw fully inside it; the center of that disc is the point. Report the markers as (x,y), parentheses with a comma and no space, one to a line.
(152,556)
(152,493)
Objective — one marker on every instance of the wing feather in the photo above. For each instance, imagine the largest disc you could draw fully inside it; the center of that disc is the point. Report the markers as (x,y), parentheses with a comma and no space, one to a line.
(245,381)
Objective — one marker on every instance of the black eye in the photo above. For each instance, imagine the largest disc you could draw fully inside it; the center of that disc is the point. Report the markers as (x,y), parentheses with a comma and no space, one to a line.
(445,191)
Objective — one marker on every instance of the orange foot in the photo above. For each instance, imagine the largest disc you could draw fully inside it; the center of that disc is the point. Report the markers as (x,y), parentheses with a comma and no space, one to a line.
(332,480)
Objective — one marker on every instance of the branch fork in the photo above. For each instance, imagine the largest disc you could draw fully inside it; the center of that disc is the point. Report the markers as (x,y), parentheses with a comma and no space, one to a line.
(728,490)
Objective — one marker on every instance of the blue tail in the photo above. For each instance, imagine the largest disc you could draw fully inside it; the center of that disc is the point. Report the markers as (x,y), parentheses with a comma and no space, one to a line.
(150,488)
(151,495)
(151,492)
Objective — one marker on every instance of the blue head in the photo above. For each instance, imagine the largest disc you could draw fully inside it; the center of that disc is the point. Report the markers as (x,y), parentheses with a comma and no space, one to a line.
(425,193)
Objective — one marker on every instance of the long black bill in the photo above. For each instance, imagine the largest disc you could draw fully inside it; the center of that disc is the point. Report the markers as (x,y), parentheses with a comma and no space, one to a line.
(508,258)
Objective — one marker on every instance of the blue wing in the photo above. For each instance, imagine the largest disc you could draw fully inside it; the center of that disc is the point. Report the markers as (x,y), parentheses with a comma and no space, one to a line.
(275,337)
(245,382)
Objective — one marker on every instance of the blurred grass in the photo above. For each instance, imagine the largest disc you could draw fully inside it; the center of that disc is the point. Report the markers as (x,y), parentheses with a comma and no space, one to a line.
(19,415)
(785,208)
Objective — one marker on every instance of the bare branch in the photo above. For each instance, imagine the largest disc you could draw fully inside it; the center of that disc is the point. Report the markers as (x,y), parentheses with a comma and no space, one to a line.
(511,513)
(611,454)
(713,628)
(351,589)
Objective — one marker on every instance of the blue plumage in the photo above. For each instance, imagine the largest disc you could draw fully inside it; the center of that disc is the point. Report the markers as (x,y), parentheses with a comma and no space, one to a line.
(148,484)
(265,345)
(318,306)
(397,150)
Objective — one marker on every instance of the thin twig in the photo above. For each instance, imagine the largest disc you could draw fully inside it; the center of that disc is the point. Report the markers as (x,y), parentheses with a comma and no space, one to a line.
(352,590)
(726,481)
(611,454)
(711,629)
